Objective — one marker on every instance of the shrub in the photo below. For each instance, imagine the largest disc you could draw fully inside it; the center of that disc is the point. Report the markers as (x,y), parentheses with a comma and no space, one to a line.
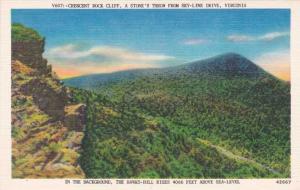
(21,33)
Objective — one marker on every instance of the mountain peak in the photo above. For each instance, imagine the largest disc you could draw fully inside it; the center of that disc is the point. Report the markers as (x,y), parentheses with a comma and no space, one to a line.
(231,64)
(230,54)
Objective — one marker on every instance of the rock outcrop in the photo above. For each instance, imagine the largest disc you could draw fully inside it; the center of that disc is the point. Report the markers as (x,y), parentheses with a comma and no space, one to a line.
(46,128)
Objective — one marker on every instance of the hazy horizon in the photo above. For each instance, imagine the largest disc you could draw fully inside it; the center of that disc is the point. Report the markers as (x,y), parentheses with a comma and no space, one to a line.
(83,42)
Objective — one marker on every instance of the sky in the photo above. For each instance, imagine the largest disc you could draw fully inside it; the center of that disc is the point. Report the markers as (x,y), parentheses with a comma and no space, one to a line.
(82,42)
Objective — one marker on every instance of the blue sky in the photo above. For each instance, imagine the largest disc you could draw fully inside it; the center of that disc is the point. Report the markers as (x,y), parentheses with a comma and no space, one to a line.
(99,41)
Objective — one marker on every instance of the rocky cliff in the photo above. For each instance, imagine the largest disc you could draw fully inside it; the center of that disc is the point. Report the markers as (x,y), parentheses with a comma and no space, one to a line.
(47,127)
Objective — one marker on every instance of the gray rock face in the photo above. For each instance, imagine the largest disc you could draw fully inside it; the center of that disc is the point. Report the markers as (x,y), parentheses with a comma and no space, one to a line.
(75,117)
(50,99)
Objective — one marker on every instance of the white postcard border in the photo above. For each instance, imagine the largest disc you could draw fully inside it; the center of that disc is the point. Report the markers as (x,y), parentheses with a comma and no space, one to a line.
(49,184)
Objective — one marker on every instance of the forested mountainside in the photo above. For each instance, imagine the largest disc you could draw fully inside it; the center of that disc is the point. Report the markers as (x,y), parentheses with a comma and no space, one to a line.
(223,117)
(217,118)
(47,127)
(229,64)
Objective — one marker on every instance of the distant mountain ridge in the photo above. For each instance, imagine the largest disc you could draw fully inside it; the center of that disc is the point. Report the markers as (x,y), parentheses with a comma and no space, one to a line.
(222,117)
(229,64)
(226,103)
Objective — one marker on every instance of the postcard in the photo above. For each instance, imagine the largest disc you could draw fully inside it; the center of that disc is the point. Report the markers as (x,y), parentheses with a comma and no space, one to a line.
(150,94)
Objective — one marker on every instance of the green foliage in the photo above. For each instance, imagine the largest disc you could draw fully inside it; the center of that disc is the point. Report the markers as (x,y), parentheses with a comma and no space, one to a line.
(20,33)
(17,133)
(56,147)
(156,124)
(149,126)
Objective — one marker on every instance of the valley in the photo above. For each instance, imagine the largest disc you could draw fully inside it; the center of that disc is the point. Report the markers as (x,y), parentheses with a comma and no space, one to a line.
(222,117)
(227,100)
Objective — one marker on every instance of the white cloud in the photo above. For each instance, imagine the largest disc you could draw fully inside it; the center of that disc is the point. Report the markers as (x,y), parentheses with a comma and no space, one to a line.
(194,41)
(275,57)
(276,62)
(265,37)
(273,35)
(68,51)
(239,38)
(71,60)
(71,51)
